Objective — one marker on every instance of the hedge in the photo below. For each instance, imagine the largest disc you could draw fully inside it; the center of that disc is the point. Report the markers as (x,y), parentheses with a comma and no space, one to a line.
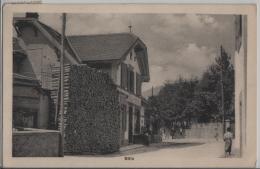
(92,117)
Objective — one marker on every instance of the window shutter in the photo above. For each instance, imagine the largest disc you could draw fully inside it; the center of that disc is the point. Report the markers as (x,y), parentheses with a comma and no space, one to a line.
(128,79)
(123,75)
(138,84)
(132,81)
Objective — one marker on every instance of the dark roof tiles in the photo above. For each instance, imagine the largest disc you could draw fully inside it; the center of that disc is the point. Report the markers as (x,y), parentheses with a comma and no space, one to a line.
(102,46)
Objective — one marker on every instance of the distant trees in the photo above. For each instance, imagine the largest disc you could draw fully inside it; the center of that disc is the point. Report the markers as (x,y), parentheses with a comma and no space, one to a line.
(196,99)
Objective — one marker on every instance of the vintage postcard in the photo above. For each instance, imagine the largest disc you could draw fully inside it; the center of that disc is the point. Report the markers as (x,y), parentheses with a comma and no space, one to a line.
(129,85)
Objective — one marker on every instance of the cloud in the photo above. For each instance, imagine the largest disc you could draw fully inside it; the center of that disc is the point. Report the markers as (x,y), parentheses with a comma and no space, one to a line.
(195,58)
(189,61)
(211,21)
(178,44)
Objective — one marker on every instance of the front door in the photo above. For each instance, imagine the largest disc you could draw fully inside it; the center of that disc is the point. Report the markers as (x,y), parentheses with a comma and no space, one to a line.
(130,125)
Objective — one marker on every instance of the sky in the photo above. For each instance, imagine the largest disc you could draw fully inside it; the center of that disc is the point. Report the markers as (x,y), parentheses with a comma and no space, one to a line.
(178,44)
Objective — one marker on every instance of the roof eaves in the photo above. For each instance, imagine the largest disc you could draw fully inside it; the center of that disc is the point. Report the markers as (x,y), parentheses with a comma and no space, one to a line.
(55,42)
(26,80)
(123,57)
(101,60)
(147,77)
(74,51)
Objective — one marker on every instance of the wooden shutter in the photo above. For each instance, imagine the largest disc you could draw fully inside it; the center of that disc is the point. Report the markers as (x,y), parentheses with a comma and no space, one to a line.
(138,84)
(132,81)
(128,79)
(124,76)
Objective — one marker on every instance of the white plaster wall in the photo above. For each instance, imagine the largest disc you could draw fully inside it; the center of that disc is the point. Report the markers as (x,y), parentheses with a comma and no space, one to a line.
(240,97)
(116,76)
(116,69)
(116,73)
(133,62)
(42,57)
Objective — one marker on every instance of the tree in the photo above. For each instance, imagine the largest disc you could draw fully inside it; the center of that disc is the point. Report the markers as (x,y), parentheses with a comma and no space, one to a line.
(196,99)
(207,102)
(171,101)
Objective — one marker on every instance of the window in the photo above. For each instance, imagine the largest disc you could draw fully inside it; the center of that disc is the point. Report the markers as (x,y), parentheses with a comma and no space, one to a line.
(25,119)
(137,121)
(131,81)
(124,76)
(127,78)
(131,55)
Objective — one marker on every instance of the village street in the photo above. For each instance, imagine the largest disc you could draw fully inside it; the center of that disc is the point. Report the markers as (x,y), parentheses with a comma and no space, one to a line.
(182,148)
(170,151)
(175,148)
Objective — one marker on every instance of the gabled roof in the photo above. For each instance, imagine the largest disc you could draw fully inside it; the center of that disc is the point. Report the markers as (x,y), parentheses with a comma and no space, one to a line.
(110,47)
(52,35)
(102,47)
(57,36)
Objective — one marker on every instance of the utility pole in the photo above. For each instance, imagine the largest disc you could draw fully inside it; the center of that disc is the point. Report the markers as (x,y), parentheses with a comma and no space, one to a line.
(62,85)
(222,91)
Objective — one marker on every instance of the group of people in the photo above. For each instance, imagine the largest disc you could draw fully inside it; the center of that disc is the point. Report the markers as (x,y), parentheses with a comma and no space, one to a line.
(228,136)
(165,134)
(178,128)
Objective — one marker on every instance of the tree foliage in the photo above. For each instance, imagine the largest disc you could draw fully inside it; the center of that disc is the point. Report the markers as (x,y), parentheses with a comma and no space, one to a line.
(196,99)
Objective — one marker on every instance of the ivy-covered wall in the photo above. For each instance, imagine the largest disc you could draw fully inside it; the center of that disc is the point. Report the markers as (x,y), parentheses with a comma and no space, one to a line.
(93,117)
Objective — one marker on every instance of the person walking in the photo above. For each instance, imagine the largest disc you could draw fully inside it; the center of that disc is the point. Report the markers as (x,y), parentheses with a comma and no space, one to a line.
(228,136)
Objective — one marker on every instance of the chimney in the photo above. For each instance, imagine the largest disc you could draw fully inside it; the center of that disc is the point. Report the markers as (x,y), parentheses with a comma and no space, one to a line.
(32,15)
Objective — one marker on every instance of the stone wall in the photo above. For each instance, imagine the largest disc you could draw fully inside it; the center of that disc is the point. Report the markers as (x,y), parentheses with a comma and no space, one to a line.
(205,131)
(36,143)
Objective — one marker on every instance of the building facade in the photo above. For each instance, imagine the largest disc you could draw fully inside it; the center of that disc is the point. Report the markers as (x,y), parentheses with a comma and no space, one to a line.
(35,52)
(240,60)
(124,57)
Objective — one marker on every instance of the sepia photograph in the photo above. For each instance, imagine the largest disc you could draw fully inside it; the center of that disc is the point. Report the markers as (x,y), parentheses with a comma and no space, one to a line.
(129,86)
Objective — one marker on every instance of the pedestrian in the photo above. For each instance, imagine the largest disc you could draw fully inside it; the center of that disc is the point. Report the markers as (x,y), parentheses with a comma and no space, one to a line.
(216,135)
(228,136)
(181,131)
(147,136)
(185,124)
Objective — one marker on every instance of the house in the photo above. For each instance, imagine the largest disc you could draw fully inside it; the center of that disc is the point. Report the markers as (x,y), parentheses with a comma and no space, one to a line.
(240,58)
(42,47)
(29,99)
(35,51)
(31,108)
(124,57)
